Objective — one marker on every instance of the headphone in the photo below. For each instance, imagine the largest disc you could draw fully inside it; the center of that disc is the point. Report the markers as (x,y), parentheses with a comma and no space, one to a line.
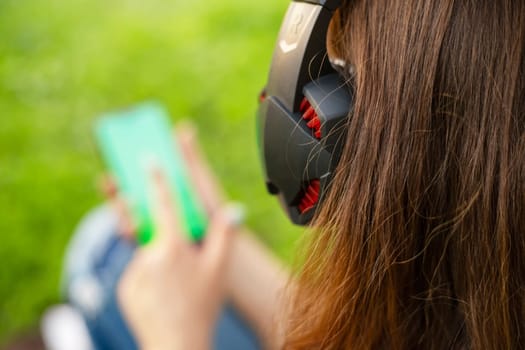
(303,111)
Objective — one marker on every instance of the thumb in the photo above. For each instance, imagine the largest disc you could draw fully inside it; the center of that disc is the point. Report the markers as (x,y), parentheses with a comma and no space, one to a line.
(220,234)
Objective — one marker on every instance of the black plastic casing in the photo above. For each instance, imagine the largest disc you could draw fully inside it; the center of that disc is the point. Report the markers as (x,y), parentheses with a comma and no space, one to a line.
(291,154)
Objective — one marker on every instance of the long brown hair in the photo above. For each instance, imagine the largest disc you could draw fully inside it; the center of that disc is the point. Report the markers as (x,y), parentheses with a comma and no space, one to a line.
(420,243)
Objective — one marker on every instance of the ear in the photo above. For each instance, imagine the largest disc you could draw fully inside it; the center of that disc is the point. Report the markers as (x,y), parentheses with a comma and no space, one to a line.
(333,43)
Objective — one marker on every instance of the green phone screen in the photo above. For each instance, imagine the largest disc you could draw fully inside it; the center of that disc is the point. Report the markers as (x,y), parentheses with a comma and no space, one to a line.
(132,142)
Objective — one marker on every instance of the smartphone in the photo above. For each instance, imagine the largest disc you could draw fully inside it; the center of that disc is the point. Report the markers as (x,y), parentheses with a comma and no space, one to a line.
(134,141)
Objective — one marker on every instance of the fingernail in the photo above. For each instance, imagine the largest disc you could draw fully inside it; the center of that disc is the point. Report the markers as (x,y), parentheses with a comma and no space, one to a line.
(151,164)
(235,214)
(187,128)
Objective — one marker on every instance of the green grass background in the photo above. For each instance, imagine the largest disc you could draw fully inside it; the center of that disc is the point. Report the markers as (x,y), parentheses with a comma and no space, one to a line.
(63,62)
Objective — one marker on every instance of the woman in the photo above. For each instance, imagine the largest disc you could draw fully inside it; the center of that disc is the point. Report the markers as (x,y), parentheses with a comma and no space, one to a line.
(427,250)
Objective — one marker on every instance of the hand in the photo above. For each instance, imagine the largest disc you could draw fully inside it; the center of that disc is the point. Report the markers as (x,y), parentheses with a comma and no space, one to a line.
(201,177)
(258,297)
(172,291)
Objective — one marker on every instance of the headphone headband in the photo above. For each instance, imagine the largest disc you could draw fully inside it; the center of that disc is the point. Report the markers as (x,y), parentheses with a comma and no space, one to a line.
(300,51)
(331,5)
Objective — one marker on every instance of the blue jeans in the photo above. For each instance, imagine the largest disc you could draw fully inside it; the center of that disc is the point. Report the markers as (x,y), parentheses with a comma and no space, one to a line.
(94,262)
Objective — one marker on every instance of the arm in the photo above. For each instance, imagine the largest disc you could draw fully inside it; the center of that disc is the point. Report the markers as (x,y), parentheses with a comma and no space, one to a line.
(256,281)
(167,304)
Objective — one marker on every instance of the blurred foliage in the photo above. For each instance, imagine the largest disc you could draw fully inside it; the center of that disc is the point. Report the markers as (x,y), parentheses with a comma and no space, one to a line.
(62,63)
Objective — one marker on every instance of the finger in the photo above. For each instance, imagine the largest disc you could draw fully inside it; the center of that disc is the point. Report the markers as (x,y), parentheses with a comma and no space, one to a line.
(220,233)
(199,173)
(126,223)
(167,229)
(107,185)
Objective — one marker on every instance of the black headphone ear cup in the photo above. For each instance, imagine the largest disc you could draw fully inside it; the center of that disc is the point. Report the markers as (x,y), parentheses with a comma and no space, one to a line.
(301,149)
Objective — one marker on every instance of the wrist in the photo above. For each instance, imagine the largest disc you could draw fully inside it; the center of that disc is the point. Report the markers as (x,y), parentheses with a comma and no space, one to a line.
(197,339)
(196,344)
